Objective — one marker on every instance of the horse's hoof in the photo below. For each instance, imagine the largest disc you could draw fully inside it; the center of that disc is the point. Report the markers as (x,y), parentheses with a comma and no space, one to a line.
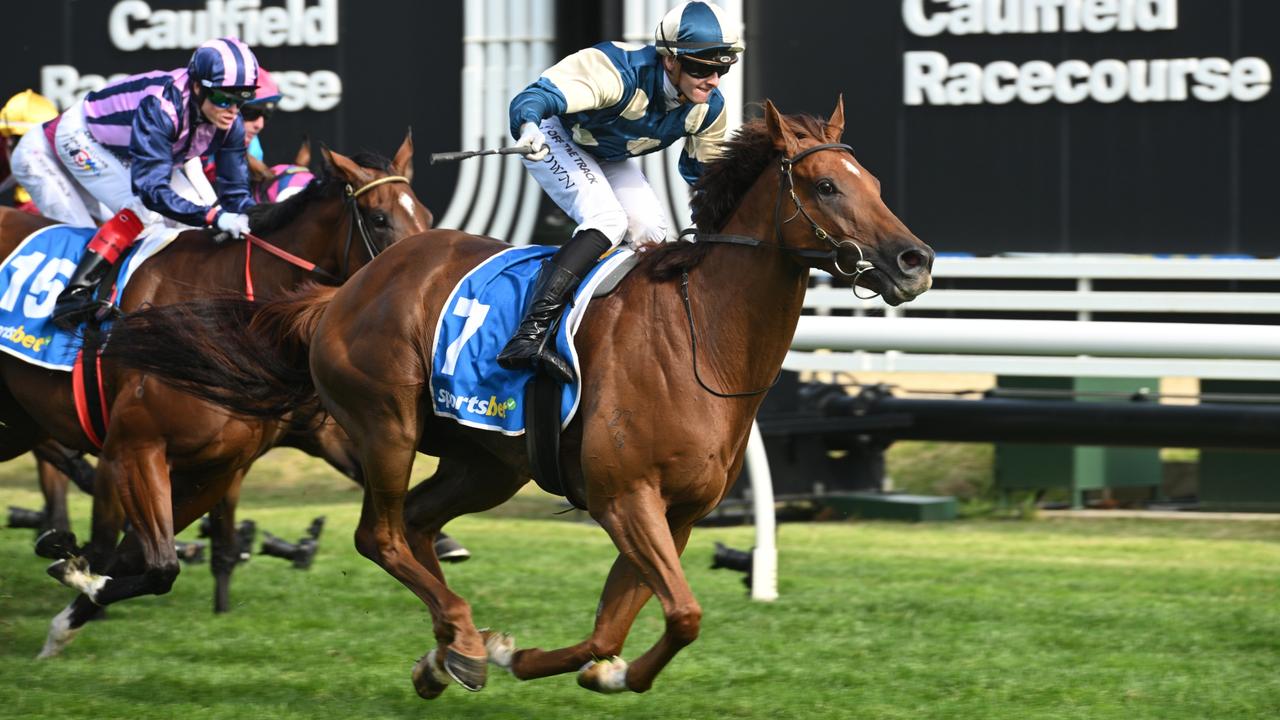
(75,574)
(428,679)
(501,648)
(470,672)
(60,635)
(604,676)
(57,544)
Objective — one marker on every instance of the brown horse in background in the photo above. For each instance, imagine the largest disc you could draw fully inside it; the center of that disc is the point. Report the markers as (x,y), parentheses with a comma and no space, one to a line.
(361,206)
(661,431)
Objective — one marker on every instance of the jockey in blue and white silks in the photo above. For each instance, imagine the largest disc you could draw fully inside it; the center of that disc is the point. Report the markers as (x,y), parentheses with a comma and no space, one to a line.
(586,119)
(119,153)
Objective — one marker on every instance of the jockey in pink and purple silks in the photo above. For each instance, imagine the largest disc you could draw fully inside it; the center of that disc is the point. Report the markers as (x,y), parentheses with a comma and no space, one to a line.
(115,154)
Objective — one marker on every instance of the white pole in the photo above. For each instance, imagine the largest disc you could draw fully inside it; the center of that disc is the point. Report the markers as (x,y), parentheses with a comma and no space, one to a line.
(764,559)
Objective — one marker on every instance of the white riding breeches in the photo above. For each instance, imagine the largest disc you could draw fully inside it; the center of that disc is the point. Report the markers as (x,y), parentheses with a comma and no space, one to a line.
(612,197)
(80,182)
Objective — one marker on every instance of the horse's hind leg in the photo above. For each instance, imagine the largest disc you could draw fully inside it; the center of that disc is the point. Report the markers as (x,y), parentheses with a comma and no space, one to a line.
(224,548)
(623,597)
(380,537)
(460,485)
(638,524)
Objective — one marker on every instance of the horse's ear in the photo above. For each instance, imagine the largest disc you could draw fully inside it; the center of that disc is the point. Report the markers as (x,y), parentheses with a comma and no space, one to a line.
(403,162)
(779,131)
(835,125)
(340,164)
(303,158)
(258,170)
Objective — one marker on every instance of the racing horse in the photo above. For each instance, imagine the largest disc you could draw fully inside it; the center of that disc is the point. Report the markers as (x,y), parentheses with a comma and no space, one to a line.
(360,206)
(674,364)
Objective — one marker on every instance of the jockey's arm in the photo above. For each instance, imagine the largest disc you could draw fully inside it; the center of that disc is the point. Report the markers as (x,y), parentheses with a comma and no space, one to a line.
(151,152)
(232,181)
(585,80)
(704,146)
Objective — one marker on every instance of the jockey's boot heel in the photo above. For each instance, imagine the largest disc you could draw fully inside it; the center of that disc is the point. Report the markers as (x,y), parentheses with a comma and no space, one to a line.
(553,289)
(76,303)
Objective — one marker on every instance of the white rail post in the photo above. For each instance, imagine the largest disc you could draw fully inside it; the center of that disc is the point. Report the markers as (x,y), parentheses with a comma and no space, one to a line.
(764,559)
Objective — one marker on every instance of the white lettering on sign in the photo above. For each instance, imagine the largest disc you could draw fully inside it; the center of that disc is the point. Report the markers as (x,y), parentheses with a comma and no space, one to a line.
(928,18)
(930,78)
(135,25)
(320,90)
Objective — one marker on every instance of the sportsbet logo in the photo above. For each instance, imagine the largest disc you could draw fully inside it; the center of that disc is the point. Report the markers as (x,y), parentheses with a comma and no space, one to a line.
(476,405)
(18,336)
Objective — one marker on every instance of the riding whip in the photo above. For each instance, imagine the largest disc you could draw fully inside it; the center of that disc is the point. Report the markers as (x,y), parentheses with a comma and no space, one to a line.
(464,154)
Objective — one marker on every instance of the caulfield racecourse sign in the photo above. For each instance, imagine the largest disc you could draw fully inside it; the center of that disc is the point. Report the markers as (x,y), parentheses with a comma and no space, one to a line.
(135,25)
(932,78)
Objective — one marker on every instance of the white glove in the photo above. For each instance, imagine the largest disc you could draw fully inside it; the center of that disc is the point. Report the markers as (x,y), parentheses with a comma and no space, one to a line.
(531,137)
(236,224)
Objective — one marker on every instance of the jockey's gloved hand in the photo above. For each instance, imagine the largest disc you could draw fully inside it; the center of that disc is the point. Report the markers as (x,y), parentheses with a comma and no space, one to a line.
(532,138)
(234,224)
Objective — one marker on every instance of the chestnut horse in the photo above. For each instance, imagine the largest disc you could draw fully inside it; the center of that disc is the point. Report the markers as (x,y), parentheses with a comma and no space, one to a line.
(661,431)
(330,230)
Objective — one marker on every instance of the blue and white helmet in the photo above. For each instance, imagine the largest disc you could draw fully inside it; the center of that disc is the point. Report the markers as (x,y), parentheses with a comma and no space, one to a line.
(226,64)
(699,31)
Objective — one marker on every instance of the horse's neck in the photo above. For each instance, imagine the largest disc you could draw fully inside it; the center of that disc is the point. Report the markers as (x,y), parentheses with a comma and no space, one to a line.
(747,301)
(316,235)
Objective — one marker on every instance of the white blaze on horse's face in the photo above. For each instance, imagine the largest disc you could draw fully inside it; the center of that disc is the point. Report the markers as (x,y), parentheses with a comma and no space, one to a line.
(406,202)
(852,168)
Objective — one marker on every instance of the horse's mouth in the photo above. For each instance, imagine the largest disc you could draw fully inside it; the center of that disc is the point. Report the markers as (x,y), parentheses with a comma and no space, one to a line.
(899,290)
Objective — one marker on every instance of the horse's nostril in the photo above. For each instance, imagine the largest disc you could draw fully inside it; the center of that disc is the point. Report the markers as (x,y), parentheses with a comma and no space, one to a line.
(913,261)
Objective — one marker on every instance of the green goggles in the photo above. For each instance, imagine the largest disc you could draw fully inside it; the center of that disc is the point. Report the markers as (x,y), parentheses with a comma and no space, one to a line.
(226,98)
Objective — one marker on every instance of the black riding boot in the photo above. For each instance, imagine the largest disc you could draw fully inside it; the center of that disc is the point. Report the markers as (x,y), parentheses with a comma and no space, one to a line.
(76,303)
(557,280)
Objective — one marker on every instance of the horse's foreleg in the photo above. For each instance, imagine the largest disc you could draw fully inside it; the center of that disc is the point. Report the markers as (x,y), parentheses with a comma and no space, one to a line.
(380,537)
(67,624)
(107,524)
(141,476)
(638,525)
(53,485)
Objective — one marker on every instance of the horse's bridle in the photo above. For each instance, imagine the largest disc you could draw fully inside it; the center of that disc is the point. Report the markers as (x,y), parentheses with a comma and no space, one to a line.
(357,222)
(785,182)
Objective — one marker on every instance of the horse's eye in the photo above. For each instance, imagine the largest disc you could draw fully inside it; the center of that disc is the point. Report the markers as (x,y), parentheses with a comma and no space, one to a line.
(380,220)
(826,187)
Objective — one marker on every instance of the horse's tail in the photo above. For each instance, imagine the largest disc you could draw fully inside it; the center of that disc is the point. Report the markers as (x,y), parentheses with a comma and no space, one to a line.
(252,359)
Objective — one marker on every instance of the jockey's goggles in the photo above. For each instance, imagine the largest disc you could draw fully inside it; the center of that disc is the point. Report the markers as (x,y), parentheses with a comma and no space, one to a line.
(699,69)
(255,111)
(226,97)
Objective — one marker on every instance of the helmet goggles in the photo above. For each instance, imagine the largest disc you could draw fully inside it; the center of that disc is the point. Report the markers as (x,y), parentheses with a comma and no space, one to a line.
(228,96)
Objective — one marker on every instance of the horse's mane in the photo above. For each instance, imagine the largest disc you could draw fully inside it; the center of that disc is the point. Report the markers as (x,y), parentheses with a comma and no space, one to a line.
(265,218)
(720,189)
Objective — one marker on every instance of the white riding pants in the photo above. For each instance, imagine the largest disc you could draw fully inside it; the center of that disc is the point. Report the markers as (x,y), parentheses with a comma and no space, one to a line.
(612,197)
(82,183)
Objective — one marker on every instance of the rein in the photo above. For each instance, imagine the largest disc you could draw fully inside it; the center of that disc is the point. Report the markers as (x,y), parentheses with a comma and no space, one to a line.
(787,182)
(357,221)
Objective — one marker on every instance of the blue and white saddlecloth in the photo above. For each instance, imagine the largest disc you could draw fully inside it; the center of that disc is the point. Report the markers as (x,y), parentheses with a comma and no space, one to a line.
(30,280)
(480,316)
